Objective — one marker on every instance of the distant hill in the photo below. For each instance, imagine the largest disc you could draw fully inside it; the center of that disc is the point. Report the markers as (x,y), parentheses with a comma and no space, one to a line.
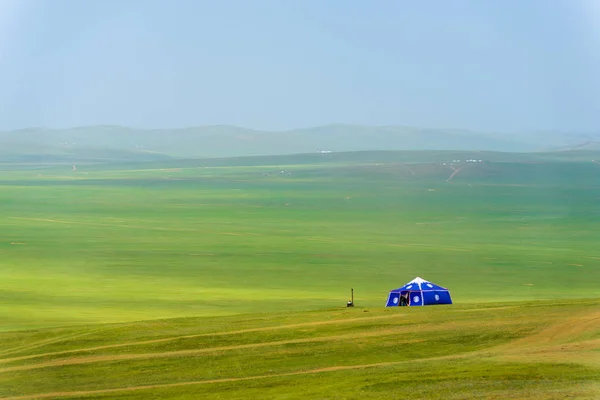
(590,145)
(95,143)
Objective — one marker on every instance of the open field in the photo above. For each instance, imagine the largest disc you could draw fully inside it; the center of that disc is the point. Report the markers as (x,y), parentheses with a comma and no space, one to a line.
(536,350)
(86,254)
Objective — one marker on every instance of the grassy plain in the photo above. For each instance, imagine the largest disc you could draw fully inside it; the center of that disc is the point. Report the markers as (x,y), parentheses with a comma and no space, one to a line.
(522,350)
(97,249)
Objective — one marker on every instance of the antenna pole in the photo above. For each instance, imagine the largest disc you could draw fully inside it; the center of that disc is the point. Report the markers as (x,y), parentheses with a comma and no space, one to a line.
(352,292)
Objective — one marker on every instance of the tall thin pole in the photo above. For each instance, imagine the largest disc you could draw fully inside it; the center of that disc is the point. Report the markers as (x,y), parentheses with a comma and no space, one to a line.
(352,291)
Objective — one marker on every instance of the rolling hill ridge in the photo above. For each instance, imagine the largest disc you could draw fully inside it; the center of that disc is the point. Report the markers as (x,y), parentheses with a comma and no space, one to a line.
(110,143)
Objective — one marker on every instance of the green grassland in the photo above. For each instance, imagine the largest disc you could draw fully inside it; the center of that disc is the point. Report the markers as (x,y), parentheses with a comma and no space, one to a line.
(534,350)
(241,269)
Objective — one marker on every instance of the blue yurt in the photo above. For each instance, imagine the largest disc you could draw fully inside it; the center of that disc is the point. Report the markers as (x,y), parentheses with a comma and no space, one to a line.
(419,292)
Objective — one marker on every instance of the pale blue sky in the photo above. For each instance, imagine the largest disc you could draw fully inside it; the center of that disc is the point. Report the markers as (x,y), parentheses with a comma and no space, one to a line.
(509,65)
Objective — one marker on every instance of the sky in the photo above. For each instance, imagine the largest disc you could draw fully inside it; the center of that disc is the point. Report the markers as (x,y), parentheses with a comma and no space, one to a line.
(498,66)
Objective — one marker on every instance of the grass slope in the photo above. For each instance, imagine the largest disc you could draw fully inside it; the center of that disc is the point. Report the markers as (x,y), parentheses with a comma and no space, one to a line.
(122,245)
(266,254)
(532,350)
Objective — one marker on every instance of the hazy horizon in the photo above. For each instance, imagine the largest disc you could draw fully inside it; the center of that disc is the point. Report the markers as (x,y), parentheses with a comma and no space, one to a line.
(299,128)
(592,132)
(282,65)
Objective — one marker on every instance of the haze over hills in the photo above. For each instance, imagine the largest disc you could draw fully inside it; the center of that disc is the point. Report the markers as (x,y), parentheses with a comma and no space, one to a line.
(98,143)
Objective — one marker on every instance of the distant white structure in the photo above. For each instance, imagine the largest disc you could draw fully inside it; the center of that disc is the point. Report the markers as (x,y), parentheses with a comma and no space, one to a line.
(471,161)
(325,151)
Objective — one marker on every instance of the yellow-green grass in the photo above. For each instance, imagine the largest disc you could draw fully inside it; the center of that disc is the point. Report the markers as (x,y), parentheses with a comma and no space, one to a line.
(519,350)
(114,245)
(258,265)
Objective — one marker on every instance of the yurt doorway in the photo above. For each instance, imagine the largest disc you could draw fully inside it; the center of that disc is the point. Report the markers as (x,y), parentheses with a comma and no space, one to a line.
(404,298)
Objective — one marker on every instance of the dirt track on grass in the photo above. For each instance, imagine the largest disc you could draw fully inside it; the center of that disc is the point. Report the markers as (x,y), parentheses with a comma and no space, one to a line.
(334,368)
(194,352)
(174,338)
(556,343)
